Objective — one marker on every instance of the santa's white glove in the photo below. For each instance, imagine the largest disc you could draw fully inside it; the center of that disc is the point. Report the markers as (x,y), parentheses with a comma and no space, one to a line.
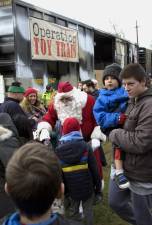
(95,143)
(43,131)
(97,134)
(35,135)
(44,135)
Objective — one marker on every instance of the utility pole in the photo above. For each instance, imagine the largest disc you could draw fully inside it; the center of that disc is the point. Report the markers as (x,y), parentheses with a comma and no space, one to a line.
(137,41)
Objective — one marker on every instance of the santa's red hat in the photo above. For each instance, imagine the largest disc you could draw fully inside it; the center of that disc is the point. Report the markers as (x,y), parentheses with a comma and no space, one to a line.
(29,91)
(64,87)
(70,124)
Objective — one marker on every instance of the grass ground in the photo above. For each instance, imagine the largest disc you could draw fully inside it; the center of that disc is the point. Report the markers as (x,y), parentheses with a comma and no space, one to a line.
(103,214)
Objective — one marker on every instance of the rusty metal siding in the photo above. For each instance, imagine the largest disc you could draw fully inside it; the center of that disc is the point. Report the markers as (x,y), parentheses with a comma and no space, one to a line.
(6,21)
(86,52)
(121,52)
(90,51)
(132,53)
(6,37)
(22,43)
(73,67)
(149,62)
(49,18)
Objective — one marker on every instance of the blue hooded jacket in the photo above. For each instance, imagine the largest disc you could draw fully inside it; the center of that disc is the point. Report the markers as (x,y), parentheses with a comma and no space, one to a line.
(14,219)
(108,107)
(55,219)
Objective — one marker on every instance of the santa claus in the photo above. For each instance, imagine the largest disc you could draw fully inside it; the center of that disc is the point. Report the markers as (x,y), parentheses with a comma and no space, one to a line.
(71,102)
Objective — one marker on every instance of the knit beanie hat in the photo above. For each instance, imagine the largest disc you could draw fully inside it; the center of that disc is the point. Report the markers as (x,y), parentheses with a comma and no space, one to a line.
(29,91)
(16,88)
(112,70)
(70,124)
(64,87)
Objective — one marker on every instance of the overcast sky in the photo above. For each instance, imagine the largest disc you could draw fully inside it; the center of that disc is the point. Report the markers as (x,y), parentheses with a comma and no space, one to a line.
(108,15)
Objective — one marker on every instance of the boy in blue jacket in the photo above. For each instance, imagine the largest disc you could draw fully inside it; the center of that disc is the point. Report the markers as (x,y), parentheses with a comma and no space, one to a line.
(33,181)
(80,172)
(109,112)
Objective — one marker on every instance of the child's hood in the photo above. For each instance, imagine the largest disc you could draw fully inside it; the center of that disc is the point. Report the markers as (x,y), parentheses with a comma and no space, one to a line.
(118,93)
(5,133)
(7,127)
(72,151)
(14,219)
(116,90)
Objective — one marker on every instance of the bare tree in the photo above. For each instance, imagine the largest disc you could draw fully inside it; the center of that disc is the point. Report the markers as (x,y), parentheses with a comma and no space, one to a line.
(119,33)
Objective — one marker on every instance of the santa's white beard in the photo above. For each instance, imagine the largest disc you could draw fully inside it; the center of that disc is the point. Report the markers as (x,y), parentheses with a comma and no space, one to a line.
(69,109)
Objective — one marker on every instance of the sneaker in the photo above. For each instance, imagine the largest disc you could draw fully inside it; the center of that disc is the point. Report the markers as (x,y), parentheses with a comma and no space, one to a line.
(97,199)
(122,181)
(81,211)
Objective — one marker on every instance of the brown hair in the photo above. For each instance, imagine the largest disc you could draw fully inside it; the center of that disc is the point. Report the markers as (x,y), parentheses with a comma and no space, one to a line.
(133,70)
(33,175)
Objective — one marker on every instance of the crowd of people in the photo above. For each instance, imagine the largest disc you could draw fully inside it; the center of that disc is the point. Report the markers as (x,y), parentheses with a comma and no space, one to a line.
(40,176)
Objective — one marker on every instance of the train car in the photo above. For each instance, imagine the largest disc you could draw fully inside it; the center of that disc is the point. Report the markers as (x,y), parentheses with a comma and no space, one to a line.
(110,48)
(38,46)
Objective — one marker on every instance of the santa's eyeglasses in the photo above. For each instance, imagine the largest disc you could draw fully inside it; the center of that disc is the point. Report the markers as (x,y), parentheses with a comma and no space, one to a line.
(66,99)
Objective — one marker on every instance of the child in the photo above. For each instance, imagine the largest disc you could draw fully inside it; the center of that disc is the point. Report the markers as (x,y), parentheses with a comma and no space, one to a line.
(80,171)
(109,113)
(33,177)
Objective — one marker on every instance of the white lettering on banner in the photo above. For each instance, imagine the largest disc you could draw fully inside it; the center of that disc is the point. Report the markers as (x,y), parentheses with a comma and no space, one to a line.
(50,41)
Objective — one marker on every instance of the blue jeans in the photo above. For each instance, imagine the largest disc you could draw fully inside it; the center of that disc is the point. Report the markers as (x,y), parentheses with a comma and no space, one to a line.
(120,201)
(87,210)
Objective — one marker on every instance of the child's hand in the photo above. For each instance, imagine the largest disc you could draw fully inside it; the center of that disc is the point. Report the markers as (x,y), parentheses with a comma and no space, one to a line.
(122,118)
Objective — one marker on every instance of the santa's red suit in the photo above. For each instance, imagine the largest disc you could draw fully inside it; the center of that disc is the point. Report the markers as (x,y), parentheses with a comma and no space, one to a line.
(71,102)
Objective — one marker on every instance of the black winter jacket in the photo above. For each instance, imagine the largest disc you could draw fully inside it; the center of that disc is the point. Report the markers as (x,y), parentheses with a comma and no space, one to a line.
(9,142)
(79,167)
(20,119)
